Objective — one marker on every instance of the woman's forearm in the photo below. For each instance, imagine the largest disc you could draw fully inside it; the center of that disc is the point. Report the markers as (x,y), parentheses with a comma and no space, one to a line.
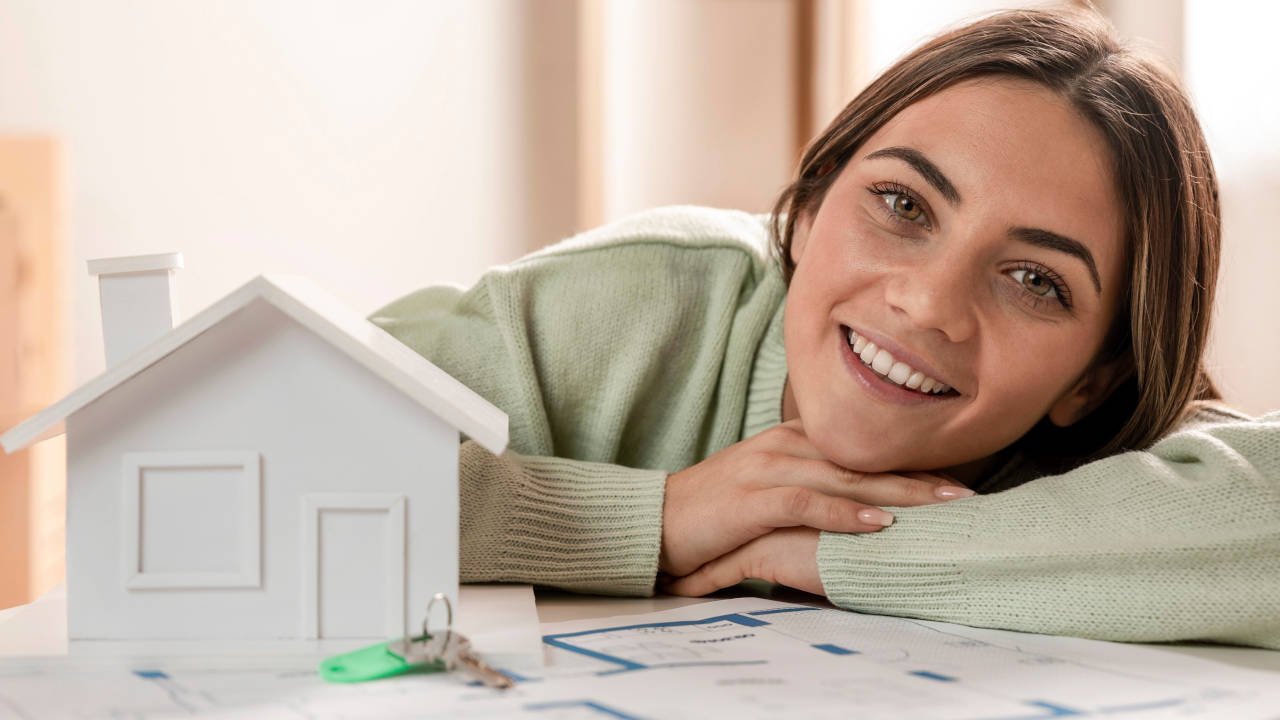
(1178,543)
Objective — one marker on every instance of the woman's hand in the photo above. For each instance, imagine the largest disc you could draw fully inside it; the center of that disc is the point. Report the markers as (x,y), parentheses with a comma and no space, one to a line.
(786,557)
(777,479)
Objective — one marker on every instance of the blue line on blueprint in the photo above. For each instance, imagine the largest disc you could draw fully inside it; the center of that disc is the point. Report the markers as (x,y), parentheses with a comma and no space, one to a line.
(738,618)
(835,649)
(151,674)
(1142,706)
(667,666)
(933,675)
(775,611)
(558,640)
(626,664)
(1055,711)
(589,704)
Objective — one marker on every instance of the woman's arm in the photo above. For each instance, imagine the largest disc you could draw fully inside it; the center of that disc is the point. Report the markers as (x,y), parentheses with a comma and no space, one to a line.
(1181,542)
(581,526)
(591,527)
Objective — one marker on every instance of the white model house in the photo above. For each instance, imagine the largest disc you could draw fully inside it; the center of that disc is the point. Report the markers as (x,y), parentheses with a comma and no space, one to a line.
(274,467)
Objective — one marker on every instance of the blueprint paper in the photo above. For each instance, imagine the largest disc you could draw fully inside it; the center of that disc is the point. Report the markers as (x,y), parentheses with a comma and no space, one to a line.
(763,658)
(743,658)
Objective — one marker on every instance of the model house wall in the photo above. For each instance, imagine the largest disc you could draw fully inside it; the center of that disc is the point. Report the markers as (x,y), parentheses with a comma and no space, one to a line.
(275,467)
(352,482)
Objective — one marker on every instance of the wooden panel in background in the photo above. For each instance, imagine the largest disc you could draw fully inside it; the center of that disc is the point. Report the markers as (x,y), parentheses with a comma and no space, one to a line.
(14,469)
(32,364)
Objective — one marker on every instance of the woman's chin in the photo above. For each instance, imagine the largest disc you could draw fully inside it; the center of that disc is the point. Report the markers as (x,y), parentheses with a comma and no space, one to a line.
(877,456)
(960,468)
(876,449)
(869,458)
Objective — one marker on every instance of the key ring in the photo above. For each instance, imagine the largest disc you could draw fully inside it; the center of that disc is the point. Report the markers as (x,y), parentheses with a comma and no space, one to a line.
(425,647)
(448,623)
(448,614)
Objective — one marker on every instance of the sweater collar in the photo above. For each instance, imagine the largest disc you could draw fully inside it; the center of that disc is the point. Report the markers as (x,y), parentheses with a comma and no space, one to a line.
(768,374)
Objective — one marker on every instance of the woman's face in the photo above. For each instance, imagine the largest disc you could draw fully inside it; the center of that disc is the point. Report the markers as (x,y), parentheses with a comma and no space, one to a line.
(976,241)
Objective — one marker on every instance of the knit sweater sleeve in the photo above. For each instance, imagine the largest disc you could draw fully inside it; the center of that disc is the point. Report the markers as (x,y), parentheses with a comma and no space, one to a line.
(619,355)
(585,526)
(582,526)
(1181,542)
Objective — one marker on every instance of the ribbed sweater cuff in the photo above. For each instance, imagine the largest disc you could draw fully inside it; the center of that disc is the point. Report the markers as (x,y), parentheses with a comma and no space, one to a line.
(907,569)
(586,527)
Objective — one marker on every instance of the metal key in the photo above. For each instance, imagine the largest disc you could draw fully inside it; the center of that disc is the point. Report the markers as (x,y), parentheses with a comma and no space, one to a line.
(449,648)
(455,650)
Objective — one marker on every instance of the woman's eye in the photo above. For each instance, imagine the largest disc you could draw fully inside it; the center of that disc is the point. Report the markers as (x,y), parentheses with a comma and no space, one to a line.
(1036,283)
(904,206)
(901,205)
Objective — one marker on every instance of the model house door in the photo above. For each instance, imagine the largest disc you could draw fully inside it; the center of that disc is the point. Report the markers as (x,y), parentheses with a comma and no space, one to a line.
(354,565)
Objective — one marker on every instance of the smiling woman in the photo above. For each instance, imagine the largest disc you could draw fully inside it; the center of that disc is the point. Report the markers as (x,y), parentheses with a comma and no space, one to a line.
(994,270)
(947,243)
(1035,146)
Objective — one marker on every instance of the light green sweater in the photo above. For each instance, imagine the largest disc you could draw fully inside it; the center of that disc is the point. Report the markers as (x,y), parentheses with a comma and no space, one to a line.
(642,347)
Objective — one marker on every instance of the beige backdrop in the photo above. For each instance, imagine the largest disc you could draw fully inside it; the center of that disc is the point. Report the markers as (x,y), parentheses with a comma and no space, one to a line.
(380,147)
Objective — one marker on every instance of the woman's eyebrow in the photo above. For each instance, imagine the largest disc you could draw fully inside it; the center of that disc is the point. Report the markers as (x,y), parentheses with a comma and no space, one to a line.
(1060,243)
(1032,236)
(924,166)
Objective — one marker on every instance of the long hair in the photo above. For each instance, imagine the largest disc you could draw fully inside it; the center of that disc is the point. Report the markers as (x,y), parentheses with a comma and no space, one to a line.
(1164,176)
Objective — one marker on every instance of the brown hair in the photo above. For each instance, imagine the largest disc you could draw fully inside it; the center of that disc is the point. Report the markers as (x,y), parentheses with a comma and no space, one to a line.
(1166,185)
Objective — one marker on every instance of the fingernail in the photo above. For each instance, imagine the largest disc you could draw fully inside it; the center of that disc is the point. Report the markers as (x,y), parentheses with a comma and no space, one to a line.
(948,492)
(872,516)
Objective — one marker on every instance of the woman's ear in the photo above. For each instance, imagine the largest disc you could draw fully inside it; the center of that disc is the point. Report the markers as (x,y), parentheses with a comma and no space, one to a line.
(1089,392)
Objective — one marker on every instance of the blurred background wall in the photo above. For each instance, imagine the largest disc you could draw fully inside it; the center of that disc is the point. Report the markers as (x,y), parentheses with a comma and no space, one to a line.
(378,147)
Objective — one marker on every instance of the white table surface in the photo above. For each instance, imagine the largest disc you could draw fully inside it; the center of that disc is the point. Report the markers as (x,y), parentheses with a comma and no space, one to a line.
(40,627)
(502,619)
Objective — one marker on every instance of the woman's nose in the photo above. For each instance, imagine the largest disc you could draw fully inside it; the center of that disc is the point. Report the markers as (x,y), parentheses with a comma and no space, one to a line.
(936,293)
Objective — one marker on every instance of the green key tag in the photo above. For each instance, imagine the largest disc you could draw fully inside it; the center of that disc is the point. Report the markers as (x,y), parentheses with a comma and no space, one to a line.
(375,662)
(420,654)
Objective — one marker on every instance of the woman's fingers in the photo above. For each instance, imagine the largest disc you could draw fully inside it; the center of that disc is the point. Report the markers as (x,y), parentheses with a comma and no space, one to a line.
(931,477)
(722,572)
(792,506)
(787,457)
(788,556)
(775,479)
(869,488)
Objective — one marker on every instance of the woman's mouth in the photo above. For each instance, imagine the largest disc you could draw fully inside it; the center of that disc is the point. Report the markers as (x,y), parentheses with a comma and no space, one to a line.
(888,376)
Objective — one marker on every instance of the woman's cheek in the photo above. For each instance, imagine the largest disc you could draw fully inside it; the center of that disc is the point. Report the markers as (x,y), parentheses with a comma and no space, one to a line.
(1028,377)
(881,248)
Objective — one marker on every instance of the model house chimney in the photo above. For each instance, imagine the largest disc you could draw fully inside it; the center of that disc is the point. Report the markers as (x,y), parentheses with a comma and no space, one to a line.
(137,301)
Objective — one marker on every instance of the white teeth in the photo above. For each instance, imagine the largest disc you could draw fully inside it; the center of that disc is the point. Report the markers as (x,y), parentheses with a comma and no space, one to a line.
(869,353)
(900,372)
(857,342)
(883,362)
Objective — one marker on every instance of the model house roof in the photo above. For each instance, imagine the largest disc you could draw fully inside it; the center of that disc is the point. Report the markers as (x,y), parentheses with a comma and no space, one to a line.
(327,317)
